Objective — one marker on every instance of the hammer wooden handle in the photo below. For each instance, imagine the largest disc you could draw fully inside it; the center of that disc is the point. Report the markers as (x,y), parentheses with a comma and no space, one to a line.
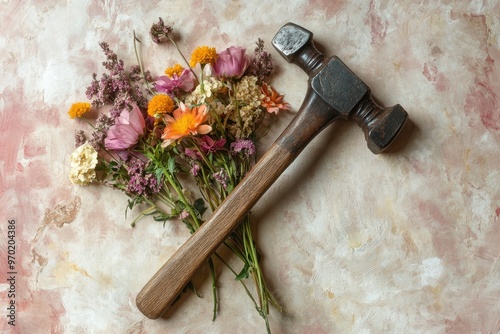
(164,287)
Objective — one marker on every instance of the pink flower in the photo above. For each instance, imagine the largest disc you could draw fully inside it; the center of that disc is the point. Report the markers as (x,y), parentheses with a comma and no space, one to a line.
(231,62)
(184,82)
(126,131)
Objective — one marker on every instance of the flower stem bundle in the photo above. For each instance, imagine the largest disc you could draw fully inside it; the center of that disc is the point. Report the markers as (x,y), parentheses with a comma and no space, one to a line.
(165,134)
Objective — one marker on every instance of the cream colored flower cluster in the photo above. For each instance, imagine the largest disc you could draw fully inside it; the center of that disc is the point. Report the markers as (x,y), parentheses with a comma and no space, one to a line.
(83,162)
(204,94)
(245,111)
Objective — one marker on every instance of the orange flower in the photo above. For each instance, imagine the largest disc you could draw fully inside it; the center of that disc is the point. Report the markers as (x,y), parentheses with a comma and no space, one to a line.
(78,109)
(272,101)
(203,55)
(184,123)
(176,69)
(160,104)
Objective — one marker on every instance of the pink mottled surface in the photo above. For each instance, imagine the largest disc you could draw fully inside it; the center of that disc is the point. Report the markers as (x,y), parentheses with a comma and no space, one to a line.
(407,242)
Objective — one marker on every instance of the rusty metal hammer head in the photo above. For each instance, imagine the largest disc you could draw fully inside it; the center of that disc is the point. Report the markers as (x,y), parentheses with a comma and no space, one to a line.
(340,88)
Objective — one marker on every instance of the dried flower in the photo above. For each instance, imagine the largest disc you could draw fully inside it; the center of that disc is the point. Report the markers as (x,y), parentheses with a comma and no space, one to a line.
(231,63)
(78,109)
(221,177)
(244,146)
(185,122)
(159,30)
(200,95)
(126,131)
(141,182)
(80,138)
(160,104)
(262,62)
(83,162)
(174,83)
(195,169)
(272,101)
(203,55)
(101,127)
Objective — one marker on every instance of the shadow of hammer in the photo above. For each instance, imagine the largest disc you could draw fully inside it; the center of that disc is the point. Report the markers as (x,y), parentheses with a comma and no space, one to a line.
(334,91)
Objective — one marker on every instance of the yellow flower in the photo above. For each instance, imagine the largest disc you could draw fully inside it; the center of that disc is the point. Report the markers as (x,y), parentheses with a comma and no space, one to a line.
(78,109)
(203,55)
(160,104)
(176,69)
(184,123)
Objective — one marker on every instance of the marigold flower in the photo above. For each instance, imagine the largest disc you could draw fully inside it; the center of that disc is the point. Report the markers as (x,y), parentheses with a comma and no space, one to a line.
(78,109)
(203,55)
(176,69)
(272,101)
(83,162)
(185,122)
(160,104)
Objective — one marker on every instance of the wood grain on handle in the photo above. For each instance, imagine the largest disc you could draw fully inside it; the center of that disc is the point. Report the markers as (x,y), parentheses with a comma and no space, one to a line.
(164,287)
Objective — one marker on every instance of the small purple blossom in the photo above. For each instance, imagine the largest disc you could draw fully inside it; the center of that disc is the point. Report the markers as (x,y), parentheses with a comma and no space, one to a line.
(141,183)
(244,146)
(221,177)
(193,154)
(184,214)
(80,138)
(262,62)
(101,127)
(195,169)
(184,82)
(118,87)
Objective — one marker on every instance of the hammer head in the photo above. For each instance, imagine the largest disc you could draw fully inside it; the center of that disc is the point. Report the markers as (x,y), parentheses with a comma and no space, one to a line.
(340,88)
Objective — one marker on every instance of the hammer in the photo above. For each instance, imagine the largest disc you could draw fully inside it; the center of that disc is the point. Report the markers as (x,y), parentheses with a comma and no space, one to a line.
(334,92)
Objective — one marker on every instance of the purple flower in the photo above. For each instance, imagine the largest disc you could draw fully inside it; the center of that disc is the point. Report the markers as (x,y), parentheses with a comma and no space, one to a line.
(244,146)
(221,177)
(184,82)
(262,62)
(141,183)
(208,145)
(231,62)
(80,138)
(193,154)
(126,131)
(195,170)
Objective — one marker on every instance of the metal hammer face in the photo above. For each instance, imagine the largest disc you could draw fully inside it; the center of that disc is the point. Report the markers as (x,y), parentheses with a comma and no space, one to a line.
(334,92)
(340,88)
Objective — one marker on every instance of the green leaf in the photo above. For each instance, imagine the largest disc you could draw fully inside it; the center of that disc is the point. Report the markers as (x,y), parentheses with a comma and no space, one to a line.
(171,165)
(243,273)
(200,206)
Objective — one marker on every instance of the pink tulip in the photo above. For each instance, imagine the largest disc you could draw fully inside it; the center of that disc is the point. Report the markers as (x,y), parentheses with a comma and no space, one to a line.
(184,82)
(126,131)
(231,62)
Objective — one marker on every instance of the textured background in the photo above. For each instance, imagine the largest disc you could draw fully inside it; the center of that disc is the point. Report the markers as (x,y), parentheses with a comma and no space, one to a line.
(407,242)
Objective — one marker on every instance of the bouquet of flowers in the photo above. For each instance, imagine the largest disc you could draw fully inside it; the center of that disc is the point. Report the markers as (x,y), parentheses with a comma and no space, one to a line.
(197,125)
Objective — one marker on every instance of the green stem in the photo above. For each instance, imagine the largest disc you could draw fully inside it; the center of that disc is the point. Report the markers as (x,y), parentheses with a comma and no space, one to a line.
(184,58)
(214,288)
(139,61)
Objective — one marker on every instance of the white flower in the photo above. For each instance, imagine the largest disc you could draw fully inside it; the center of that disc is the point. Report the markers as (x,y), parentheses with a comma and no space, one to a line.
(83,162)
